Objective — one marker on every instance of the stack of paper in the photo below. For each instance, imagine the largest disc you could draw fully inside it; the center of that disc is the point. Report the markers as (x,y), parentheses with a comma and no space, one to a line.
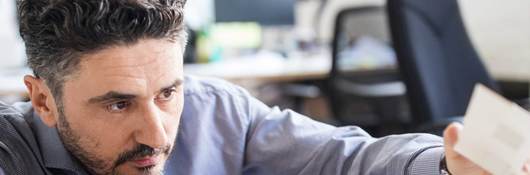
(496,135)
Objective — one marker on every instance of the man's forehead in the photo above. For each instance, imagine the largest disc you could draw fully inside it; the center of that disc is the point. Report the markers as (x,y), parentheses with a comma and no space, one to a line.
(142,54)
(131,69)
(146,58)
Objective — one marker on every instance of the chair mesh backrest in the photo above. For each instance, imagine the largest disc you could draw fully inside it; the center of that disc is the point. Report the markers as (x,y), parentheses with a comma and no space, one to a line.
(355,22)
(436,57)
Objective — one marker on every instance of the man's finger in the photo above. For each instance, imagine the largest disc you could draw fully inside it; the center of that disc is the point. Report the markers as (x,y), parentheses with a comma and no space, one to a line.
(526,167)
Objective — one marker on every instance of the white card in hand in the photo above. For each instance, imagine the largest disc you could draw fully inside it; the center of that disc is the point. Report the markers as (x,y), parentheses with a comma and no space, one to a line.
(496,134)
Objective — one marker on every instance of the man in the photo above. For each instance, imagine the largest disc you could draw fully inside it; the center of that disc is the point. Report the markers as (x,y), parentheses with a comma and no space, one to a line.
(108,95)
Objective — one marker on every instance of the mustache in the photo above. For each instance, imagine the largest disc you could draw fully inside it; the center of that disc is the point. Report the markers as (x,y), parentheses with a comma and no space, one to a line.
(140,151)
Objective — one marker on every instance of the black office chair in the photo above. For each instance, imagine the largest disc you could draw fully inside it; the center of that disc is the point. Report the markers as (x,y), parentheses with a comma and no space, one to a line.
(438,62)
(371,98)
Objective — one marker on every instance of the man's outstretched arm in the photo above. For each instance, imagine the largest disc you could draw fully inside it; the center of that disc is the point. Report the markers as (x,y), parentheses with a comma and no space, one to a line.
(285,142)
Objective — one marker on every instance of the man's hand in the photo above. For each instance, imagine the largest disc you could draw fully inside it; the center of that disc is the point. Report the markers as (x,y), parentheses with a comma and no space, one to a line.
(458,164)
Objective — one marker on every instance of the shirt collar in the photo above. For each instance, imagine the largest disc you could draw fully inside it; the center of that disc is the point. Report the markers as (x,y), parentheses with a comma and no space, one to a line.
(54,154)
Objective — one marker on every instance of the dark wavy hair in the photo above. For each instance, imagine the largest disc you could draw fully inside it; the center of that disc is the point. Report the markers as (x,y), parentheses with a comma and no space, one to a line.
(58,32)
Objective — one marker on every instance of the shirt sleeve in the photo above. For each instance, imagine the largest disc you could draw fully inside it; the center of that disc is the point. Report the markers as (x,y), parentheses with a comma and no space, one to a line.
(285,142)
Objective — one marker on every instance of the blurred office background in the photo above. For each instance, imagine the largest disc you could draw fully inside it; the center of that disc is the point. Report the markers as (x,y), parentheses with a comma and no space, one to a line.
(337,61)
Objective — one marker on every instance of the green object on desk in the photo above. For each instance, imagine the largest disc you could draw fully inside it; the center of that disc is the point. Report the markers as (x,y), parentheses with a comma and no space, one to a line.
(215,41)
(236,35)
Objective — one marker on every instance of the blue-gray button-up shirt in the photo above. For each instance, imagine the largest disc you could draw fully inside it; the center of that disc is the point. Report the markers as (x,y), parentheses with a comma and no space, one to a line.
(226,131)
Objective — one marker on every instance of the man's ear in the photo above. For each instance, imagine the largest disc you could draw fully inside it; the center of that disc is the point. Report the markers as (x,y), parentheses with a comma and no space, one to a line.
(42,100)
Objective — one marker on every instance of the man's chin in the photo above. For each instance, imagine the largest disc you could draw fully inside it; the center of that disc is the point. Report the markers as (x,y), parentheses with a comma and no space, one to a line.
(142,166)
(153,170)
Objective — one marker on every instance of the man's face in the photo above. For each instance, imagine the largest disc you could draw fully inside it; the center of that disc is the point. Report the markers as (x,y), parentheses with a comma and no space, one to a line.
(121,110)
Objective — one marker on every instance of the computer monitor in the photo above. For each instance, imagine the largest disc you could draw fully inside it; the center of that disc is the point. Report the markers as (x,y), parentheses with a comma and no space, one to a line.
(264,12)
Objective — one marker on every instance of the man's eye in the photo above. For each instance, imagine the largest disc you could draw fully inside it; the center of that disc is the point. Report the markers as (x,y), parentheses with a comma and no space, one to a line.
(118,106)
(166,95)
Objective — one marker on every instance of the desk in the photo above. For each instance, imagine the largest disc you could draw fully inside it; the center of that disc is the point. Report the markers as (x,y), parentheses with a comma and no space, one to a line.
(298,68)
(515,70)
(262,69)
(318,67)
(273,69)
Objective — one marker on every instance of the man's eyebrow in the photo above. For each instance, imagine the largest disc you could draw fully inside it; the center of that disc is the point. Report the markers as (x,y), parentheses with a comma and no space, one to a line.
(175,83)
(112,95)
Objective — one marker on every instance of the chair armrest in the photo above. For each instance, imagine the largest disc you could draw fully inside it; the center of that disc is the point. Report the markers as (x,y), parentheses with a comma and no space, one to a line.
(386,89)
(300,90)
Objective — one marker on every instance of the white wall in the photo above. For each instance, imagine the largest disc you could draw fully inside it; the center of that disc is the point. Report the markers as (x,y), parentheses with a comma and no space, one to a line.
(500,31)
(11,46)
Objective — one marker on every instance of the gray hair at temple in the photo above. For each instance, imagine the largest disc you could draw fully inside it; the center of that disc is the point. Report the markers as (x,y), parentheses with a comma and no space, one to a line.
(57,33)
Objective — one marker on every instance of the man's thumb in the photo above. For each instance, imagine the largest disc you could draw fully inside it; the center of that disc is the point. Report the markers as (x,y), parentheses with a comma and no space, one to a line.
(451,134)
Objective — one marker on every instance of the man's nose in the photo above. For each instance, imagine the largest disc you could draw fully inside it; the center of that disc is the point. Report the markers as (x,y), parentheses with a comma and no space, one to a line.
(151,130)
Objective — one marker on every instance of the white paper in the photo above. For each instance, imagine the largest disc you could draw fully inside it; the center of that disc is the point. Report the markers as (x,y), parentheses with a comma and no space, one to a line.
(496,134)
